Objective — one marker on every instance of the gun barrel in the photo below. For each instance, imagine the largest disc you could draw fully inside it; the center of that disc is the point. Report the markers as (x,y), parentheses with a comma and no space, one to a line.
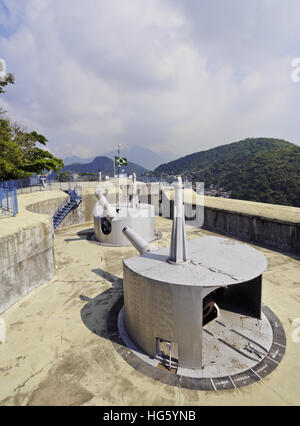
(109,211)
(137,241)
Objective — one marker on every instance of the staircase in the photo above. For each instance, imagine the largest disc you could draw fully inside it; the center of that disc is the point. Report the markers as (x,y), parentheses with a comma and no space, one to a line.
(73,201)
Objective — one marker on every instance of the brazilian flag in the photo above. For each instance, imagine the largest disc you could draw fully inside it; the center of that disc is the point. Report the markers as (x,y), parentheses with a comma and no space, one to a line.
(121,161)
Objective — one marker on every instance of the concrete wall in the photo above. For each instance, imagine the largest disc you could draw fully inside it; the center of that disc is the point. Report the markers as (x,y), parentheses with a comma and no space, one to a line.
(281,235)
(27,263)
(82,214)
(26,246)
(47,206)
(273,226)
(26,242)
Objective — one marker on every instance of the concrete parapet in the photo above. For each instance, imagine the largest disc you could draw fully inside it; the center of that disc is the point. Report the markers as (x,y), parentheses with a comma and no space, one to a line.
(270,225)
(26,246)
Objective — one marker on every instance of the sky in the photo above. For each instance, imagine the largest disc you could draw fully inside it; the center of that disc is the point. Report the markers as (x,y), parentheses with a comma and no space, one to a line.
(176,75)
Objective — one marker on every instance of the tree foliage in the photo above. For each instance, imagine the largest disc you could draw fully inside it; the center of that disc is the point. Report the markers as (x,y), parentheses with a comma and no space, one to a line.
(261,169)
(9,79)
(65,177)
(19,154)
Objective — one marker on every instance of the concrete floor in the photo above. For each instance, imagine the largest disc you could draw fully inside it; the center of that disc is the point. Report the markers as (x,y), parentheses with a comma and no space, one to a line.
(57,351)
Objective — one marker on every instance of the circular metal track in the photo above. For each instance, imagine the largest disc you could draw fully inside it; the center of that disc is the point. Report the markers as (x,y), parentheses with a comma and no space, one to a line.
(262,359)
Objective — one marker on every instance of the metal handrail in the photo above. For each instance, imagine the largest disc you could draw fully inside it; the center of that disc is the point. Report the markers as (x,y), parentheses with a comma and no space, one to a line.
(65,202)
(8,199)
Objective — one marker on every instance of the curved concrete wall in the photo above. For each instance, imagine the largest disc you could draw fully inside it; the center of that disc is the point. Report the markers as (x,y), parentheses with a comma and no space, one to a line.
(82,214)
(282,235)
(26,242)
(26,246)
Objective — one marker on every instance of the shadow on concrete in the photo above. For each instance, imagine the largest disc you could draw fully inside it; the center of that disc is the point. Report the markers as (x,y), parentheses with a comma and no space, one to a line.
(85,234)
(113,279)
(100,314)
(155,256)
(95,313)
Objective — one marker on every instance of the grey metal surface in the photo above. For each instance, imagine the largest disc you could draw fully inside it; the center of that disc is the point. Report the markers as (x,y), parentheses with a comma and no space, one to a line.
(187,314)
(129,343)
(233,346)
(165,301)
(178,247)
(148,310)
(214,261)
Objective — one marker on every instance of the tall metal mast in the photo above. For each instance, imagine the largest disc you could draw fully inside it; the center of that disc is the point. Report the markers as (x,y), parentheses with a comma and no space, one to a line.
(119,144)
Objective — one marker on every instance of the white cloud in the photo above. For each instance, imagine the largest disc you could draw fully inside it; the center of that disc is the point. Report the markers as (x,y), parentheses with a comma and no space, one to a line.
(163,74)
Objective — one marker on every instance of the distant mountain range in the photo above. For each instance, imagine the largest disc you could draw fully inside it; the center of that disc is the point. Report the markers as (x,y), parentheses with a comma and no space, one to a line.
(104,164)
(262,169)
(74,159)
(136,154)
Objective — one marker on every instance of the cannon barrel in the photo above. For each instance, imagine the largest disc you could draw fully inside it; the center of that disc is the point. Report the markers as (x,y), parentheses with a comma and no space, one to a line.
(108,211)
(137,241)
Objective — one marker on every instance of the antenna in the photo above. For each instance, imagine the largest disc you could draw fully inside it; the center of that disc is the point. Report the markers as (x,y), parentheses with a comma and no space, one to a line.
(119,145)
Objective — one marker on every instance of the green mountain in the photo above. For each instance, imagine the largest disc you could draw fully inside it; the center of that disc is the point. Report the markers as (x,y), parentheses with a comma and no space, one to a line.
(104,164)
(263,169)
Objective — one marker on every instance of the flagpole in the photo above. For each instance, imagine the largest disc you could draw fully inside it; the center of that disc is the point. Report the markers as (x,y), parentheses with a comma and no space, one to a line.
(119,176)
(119,144)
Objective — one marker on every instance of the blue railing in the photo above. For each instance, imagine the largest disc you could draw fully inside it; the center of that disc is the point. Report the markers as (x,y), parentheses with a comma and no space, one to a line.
(8,199)
(37,184)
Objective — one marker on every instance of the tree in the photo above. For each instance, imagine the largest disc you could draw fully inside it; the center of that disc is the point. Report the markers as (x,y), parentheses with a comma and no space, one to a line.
(10,154)
(65,176)
(19,155)
(8,79)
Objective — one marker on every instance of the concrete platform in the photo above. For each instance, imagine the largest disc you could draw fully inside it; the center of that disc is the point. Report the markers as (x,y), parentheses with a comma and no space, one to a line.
(57,350)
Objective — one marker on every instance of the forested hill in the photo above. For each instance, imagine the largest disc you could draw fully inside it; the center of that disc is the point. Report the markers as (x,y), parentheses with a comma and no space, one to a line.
(104,164)
(263,169)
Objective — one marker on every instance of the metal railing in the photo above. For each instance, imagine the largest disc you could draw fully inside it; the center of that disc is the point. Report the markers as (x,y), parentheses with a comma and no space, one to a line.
(28,185)
(9,190)
(8,199)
